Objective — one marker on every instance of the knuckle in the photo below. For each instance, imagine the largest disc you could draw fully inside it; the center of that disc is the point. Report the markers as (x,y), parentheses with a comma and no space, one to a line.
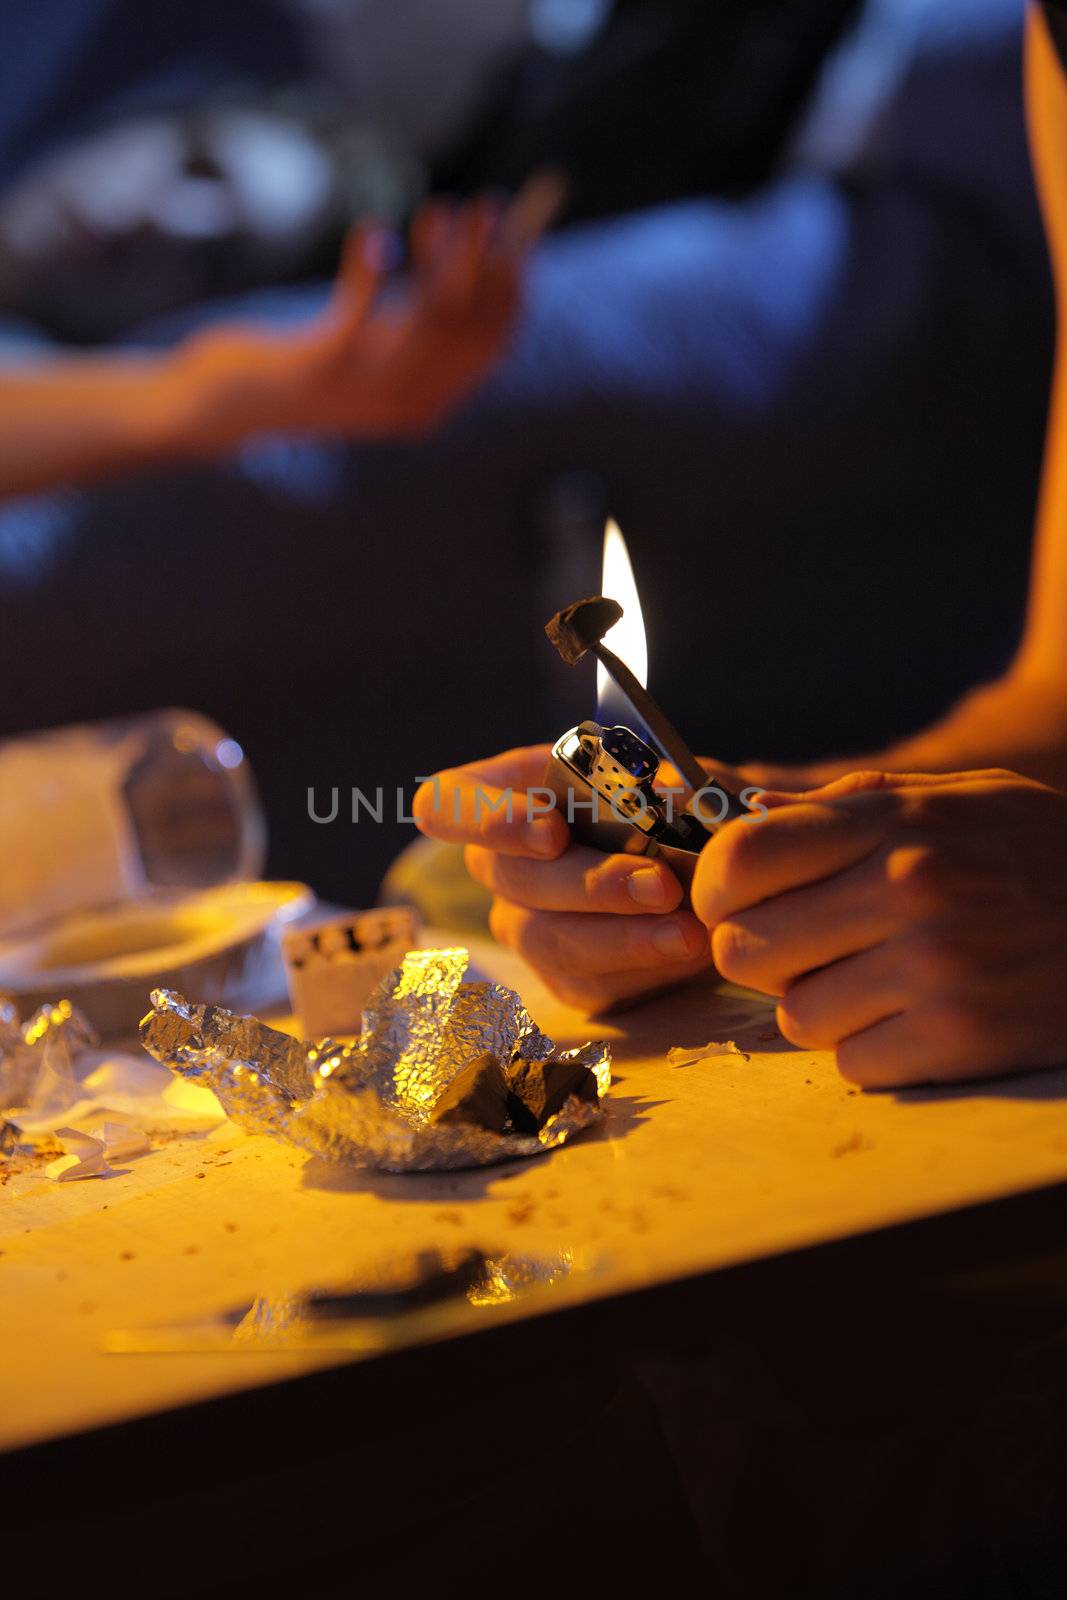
(508,876)
(539,939)
(939,959)
(481,865)
(590,996)
(694,938)
(500,923)
(919,876)
(864,780)
(532,940)
(606,884)
(513,878)
(602,883)
(486,823)
(526,932)
(960,1023)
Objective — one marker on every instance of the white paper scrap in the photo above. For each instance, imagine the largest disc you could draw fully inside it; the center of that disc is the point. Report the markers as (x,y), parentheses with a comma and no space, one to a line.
(89,1155)
(85,1157)
(122,1142)
(681,1055)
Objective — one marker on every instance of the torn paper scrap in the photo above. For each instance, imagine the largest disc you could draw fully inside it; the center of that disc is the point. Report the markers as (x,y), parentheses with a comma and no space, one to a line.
(122,1142)
(681,1055)
(84,1157)
(89,1155)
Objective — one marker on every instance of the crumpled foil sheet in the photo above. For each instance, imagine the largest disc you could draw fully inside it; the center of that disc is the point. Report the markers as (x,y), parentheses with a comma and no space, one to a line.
(368,1104)
(37,1057)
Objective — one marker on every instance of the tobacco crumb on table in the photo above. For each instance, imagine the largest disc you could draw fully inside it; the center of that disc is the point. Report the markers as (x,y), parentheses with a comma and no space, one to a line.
(855,1141)
(126,1255)
(454,1217)
(230,1227)
(199,1174)
(191,1250)
(665,1191)
(522,1213)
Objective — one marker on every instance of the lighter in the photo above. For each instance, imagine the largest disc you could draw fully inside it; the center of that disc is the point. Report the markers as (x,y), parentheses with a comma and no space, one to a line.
(603,778)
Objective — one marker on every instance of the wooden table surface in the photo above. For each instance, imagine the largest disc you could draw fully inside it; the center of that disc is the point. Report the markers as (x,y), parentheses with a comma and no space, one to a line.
(693,1169)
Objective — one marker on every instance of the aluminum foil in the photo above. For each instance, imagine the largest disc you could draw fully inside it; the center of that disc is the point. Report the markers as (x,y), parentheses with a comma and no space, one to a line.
(37,1057)
(368,1104)
(283,1319)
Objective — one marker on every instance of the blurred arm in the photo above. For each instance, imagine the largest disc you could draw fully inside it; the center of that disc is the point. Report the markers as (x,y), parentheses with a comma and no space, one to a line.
(75,420)
(1020,720)
(357,370)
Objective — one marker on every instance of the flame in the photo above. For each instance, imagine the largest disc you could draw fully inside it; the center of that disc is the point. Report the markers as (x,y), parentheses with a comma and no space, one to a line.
(627,637)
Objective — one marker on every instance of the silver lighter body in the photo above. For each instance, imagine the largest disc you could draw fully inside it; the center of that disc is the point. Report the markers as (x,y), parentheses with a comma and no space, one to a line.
(603,780)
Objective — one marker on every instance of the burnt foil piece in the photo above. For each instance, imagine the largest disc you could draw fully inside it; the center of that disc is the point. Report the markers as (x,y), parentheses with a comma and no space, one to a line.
(581,627)
(578,627)
(477,1095)
(538,1089)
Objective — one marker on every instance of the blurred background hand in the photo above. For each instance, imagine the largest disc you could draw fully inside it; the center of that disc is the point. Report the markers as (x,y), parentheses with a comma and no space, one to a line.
(381,359)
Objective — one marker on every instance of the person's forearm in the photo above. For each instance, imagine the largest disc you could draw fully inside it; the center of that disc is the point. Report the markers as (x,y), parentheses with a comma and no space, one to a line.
(1015,722)
(359,369)
(76,420)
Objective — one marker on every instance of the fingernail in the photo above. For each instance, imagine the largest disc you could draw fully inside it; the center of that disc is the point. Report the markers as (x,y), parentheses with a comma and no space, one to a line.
(647,887)
(538,837)
(670,941)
